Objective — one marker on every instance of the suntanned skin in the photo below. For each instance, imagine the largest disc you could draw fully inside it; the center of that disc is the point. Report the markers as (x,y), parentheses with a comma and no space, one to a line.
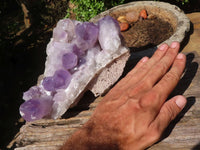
(135,113)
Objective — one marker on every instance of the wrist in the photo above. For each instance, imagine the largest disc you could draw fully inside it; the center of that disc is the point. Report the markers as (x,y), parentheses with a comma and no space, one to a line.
(91,137)
(98,137)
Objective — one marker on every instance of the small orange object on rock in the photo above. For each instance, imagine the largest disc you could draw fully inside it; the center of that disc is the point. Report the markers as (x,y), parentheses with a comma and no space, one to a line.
(143,14)
(123,26)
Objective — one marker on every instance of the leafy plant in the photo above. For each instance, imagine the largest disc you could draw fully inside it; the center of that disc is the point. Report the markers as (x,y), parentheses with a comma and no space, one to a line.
(183,1)
(85,10)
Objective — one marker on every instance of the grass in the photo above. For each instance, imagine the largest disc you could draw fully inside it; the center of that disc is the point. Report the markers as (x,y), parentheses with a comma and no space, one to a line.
(87,9)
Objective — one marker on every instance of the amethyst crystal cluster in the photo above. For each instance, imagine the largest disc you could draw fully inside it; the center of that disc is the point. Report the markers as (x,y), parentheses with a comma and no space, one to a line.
(76,53)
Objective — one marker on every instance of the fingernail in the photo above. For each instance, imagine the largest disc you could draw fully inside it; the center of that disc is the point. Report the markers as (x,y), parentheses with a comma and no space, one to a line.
(180,56)
(144,59)
(174,44)
(180,102)
(163,47)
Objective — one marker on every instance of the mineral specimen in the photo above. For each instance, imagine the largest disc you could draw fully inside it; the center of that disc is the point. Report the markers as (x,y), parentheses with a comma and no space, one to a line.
(77,52)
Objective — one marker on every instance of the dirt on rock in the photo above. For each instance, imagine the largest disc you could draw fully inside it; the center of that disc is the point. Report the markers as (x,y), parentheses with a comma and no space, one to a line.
(147,32)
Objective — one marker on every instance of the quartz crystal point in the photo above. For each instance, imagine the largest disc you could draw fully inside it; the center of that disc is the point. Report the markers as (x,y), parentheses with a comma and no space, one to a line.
(64,31)
(35,109)
(60,79)
(109,29)
(86,35)
(76,52)
(69,60)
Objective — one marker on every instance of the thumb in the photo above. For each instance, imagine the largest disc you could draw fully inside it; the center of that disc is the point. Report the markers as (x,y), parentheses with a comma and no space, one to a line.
(169,111)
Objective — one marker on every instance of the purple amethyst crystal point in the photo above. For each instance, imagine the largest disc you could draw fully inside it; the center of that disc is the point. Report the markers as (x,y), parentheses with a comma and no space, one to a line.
(48,84)
(109,19)
(66,25)
(35,109)
(64,31)
(109,34)
(87,35)
(55,51)
(33,92)
(78,51)
(69,60)
(59,34)
(60,79)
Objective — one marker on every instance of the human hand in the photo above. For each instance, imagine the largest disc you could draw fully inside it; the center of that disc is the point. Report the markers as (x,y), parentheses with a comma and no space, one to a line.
(134,114)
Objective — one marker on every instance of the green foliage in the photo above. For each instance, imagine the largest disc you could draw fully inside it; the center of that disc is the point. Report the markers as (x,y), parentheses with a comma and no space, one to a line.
(183,1)
(86,9)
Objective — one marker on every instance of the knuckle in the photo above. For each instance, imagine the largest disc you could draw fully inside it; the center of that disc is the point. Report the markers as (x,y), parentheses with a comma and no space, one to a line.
(172,53)
(172,76)
(163,67)
(170,111)
(144,67)
(158,54)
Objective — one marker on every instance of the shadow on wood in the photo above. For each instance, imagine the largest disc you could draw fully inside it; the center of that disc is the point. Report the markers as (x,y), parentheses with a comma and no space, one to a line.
(187,37)
(197,147)
(82,105)
(190,72)
(190,102)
